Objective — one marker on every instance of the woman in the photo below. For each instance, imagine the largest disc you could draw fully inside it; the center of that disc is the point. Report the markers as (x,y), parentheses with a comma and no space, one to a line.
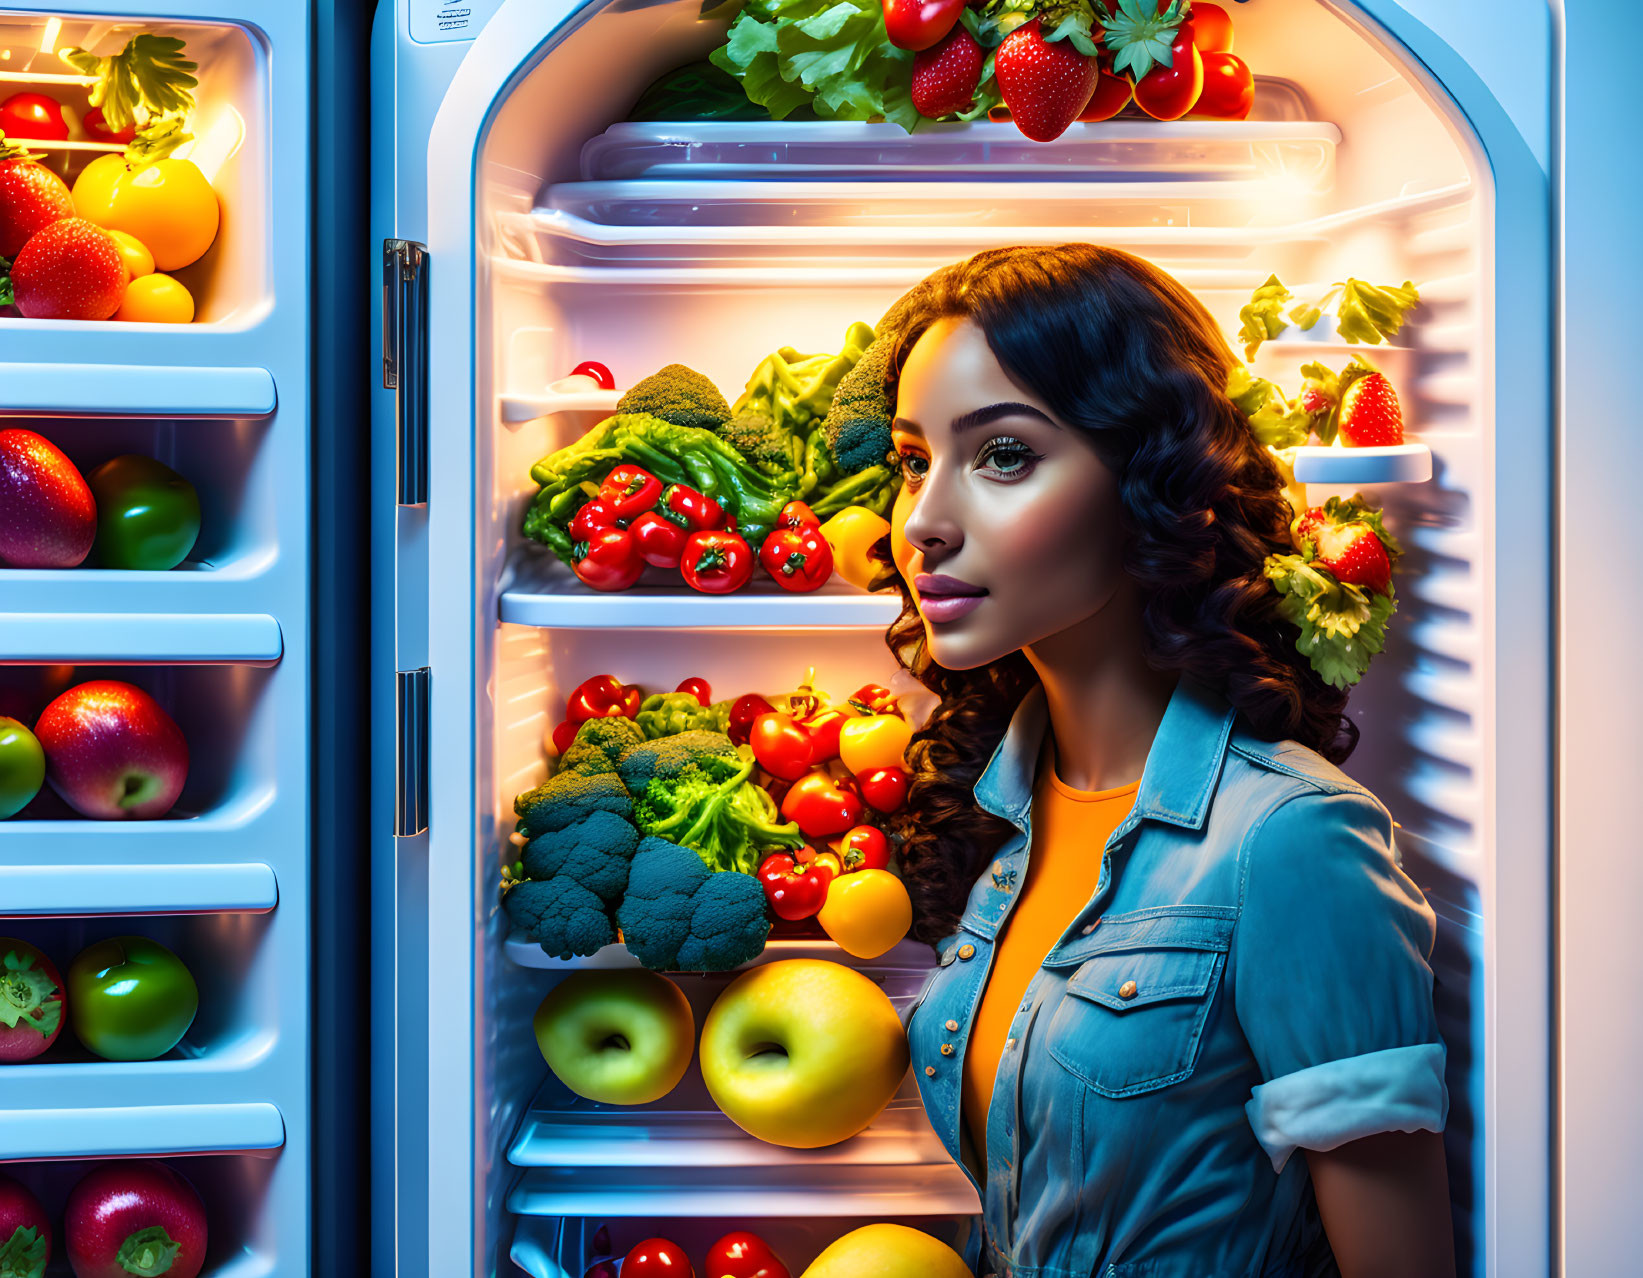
(1175,945)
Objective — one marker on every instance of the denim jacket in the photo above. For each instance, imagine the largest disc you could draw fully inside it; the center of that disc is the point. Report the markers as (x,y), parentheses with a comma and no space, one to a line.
(1251,977)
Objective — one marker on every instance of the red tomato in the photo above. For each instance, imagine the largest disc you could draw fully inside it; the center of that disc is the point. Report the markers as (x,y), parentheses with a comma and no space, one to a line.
(587,368)
(657,1258)
(864,847)
(1112,94)
(821,805)
(797,515)
(661,542)
(563,735)
(1212,27)
(1168,93)
(701,689)
(716,562)
(1229,88)
(33,115)
(824,734)
(885,789)
(919,24)
(743,711)
(630,490)
(781,746)
(594,515)
(793,891)
(743,1255)
(609,560)
(797,558)
(691,510)
(97,129)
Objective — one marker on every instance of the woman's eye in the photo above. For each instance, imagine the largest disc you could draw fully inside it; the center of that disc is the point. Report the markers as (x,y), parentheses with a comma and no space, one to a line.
(1007,457)
(914,466)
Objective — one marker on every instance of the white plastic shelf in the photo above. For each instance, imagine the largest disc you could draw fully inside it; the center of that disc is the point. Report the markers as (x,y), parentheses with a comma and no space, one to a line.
(146,1131)
(515,409)
(538,590)
(139,638)
(843,1189)
(1398,463)
(128,390)
(61,891)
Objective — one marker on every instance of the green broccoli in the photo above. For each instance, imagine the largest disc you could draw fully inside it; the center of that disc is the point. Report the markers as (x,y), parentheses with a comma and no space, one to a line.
(561,915)
(598,744)
(858,420)
(678,916)
(664,714)
(679,395)
(594,852)
(568,797)
(712,807)
(770,447)
(667,757)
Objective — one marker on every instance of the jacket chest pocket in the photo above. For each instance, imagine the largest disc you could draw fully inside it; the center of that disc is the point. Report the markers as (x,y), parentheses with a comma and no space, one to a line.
(1135,1006)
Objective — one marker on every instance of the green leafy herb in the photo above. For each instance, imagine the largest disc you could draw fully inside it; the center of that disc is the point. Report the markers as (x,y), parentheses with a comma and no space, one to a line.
(1140,35)
(155,141)
(6,295)
(1369,312)
(148,78)
(1075,26)
(148,1252)
(14,150)
(1262,316)
(1276,421)
(24,991)
(702,91)
(23,1255)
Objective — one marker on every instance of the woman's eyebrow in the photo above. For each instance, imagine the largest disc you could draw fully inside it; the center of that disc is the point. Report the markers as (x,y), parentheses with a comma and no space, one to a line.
(991,413)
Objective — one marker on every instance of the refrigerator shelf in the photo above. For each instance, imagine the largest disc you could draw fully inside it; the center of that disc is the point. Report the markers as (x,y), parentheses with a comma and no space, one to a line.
(140,1131)
(904,956)
(1393,464)
(841,1190)
(69,890)
(129,390)
(140,638)
(538,590)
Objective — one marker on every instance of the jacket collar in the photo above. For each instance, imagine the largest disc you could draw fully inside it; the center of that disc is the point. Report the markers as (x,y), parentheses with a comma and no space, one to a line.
(1176,784)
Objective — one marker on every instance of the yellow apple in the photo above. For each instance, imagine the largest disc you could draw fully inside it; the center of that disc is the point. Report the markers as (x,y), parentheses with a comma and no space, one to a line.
(802,1053)
(888,1251)
(623,1036)
(866,912)
(168,205)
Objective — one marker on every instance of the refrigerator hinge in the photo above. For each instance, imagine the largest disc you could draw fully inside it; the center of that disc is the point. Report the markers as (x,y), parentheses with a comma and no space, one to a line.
(405,361)
(411,762)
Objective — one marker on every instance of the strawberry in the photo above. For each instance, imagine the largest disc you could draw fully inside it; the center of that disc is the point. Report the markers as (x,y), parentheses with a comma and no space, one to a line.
(1045,85)
(73,269)
(1308,524)
(1354,554)
(1370,416)
(31,197)
(945,76)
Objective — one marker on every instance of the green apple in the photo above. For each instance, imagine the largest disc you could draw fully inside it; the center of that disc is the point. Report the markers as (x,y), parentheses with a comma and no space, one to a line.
(130,998)
(22,767)
(623,1037)
(803,1052)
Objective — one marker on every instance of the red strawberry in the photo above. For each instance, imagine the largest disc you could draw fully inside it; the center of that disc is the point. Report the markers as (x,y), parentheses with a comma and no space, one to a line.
(31,197)
(71,270)
(1354,554)
(945,76)
(1370,416)
(48,517)
(1308,524)
(1045,85)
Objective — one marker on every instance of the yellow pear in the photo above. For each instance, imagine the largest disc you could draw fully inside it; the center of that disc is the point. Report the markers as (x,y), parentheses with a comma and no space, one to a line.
(888,1251)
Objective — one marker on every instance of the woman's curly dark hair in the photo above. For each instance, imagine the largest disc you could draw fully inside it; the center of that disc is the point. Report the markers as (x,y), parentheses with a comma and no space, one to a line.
(1121,350)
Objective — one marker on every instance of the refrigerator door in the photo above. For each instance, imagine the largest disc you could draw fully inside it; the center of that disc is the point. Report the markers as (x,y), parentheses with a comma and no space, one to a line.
(222,642)
(1447,180)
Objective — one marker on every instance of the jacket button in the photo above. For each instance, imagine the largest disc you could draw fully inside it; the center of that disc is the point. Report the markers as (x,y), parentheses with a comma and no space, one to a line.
(948,957)
(1009,1043)
(946,1049)
(952,1027)
(930,1070)
(966,951)
(1127,990)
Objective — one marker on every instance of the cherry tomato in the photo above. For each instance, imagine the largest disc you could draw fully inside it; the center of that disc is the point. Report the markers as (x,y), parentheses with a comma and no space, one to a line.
(864,847)
(1229,88)
(743,1255)
(587,368)
(701,689)
(919,24)
(716,562)
(609,560)
(1212,27)
(631,490)
(1168,93)
(33,115)
(657,1258)
(594,515)
(563,735)
(780,745)
(797,558)
(793,891)
(692,510)
(885,789)
(661,542)
(743,711)
(603,697)
(821,805)
(97,129)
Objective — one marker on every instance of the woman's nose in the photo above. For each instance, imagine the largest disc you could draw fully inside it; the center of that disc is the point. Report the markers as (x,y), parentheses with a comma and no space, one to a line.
(931,526)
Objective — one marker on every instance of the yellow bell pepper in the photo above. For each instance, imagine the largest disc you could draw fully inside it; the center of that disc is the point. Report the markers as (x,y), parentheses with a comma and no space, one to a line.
(874,741)
(851,533)
(866,912)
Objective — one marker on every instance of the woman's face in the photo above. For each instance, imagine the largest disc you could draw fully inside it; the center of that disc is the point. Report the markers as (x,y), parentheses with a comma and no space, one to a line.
(1007,525)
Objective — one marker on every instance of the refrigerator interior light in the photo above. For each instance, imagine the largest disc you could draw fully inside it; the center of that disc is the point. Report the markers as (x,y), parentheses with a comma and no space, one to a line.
(48,37)
(217,145)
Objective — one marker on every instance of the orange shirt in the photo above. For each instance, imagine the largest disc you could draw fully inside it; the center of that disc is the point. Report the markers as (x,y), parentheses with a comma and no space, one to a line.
(1070,827)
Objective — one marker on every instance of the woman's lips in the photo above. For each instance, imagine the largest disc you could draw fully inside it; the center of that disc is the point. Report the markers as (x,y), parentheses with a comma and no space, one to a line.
(943,598)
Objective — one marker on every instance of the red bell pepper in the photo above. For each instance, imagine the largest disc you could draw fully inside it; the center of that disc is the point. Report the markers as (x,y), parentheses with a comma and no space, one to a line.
(661,542)
(603,697)
(793,891)
(822,805)
(716,563)
(608,560)
(863,847)
(631,490)
(693,511)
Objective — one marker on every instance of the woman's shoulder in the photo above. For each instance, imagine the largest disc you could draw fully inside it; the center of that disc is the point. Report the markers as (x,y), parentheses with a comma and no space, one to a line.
(1272,784)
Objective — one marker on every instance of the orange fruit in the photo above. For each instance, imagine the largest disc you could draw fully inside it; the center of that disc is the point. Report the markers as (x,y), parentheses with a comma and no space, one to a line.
(139,261)
(168,205)
(156,299)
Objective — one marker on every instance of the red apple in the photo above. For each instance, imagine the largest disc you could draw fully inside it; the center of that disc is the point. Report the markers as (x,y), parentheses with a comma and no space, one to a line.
(133,1218)
(25,1229)
(48,518)
(111,751)
(31,1011)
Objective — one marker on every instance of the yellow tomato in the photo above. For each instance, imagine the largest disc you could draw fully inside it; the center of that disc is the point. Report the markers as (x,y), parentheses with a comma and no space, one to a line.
(167,205)
(866,913)
(156,299)
(139,261)
(874,741)
(852,533)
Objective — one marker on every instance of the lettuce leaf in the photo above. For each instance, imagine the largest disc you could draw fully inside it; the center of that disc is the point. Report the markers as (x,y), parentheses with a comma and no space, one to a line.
(1276,421)
(1370,312)
(1262,317)
(1342,626)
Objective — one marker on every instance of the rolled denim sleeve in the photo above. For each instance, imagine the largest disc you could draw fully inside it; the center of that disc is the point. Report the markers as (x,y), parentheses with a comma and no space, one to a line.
(1332,979)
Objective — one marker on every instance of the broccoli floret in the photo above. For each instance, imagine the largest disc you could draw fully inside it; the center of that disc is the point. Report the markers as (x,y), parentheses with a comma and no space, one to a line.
(595,852)
(667,757)
(598,744)
(773,449)
(561,915)
(568,797)
(678,916)
(858,420)
(679,395)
